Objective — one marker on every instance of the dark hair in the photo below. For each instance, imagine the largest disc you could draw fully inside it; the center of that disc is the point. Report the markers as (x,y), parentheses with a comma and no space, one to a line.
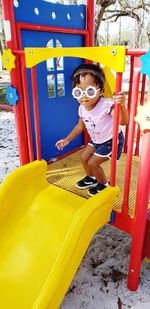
(88,68)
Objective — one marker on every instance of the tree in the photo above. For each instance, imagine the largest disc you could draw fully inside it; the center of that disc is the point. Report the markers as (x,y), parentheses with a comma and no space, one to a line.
(110,11)
(148,32)
(101,8)
(113,10)
(2,35)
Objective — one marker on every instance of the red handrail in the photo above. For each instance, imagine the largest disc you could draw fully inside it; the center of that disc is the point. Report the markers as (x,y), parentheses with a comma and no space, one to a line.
(36,112)
(27,109)
(115,133)
(134,100)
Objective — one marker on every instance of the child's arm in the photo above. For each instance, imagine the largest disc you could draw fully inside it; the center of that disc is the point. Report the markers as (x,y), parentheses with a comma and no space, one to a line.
(120,99)
(78,129)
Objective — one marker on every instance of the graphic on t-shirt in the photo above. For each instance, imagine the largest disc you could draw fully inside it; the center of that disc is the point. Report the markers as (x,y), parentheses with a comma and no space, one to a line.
(90,125)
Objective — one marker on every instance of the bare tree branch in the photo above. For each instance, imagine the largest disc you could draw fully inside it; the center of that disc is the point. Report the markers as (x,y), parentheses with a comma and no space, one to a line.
(106,12)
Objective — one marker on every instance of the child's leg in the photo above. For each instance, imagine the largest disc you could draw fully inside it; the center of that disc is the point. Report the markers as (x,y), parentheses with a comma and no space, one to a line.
(86,154)
(94,166)
(88,181)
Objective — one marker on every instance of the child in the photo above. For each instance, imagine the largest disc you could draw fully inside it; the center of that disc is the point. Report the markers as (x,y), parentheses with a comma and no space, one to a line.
(95,115)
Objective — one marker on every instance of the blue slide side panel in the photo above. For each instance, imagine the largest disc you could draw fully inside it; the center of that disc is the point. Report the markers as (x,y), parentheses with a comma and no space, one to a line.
(42,12)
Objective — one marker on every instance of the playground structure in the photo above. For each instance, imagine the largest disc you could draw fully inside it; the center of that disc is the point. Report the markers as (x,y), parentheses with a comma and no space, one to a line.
(35,205)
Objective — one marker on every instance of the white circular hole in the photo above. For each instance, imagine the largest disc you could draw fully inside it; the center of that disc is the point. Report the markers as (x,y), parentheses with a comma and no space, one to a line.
(147,117)
(36,11)
(16,3)
(53,15)
(68,16)
(114,52)
(82,15)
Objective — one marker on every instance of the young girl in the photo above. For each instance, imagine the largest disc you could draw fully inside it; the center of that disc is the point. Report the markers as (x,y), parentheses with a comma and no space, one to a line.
(95,115)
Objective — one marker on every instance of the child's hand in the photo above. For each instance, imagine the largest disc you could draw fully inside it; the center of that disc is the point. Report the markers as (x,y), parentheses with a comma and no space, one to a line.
(62,143)
(120,98)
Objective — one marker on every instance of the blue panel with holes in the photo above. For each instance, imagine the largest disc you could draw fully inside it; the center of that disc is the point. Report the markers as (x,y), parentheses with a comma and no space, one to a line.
(42,12)
(58,110)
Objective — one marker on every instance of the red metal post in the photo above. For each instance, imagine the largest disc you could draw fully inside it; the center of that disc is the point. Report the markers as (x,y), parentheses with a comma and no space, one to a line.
(133,108)
(11,41)
(36,113)
(36,27)
(137,148)
(146,250)
(115,133)
(129,101)
(122,222)
(88,34)
(90,20)
(136,52)
(133,53)
(27,108)
(89,40)
(139,225)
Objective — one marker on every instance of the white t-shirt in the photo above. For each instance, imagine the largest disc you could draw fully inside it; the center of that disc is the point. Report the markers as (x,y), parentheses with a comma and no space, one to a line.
(98,121)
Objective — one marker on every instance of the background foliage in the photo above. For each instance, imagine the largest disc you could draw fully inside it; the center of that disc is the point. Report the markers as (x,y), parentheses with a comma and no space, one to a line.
(129,19)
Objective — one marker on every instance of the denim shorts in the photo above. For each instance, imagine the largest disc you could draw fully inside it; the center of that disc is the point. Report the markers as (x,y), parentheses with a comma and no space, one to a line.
(105,149)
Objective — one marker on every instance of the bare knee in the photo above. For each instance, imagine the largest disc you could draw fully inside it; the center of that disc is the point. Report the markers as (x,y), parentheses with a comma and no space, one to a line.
(86,154)
(92,164)
(83,158)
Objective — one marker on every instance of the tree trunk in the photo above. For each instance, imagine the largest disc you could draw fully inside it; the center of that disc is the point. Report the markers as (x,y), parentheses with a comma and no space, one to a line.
(98,19)
(3,42)
(138,33)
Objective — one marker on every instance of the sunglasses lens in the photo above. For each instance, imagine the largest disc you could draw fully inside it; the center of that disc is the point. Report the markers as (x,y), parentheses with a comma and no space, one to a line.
(77,93)
(91,92)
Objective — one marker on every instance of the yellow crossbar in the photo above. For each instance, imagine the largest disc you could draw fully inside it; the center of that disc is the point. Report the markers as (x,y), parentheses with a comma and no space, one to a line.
(111,56)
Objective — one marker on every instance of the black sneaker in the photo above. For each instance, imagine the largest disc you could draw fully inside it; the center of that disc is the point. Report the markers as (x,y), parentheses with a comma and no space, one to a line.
(86,182)
(96,189)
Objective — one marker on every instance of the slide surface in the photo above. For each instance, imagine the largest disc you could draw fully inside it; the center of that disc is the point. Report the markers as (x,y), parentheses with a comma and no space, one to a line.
(44,234)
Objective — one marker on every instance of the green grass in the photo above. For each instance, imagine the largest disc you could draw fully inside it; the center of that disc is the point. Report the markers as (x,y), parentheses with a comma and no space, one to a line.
(3,99)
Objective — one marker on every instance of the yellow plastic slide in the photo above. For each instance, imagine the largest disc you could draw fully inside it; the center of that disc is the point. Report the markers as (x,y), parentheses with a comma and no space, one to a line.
(44,234)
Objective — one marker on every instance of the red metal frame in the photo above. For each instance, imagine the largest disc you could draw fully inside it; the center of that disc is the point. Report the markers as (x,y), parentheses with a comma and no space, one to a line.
(27,108)
(129,97)
(18,77)
(134,100)
(88,34)
(90,22)
(53,29)
(8,14)
(137,148)
(146,249)
(139,223)
(115,133)
(36,112)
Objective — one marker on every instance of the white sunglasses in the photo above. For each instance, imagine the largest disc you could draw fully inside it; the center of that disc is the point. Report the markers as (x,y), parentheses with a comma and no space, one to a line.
(90,92)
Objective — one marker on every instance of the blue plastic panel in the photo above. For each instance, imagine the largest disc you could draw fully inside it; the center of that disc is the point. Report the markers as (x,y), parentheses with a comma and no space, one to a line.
(44,13)
(57,115)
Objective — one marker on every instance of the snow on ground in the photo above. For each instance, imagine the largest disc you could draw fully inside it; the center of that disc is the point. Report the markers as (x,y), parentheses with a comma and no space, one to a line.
(9,158)
(101,280)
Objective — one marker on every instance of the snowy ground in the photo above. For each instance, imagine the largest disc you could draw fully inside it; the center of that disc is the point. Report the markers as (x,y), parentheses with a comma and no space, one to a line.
(100,282)
(9,158)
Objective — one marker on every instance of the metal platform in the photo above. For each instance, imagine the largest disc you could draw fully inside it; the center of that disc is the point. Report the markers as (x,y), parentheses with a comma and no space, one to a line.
(66,172)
